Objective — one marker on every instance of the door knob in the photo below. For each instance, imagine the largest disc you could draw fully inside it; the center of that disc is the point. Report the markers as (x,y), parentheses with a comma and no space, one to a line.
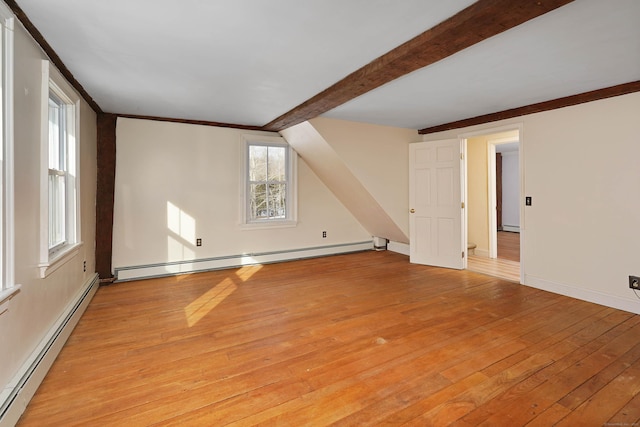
(412,210)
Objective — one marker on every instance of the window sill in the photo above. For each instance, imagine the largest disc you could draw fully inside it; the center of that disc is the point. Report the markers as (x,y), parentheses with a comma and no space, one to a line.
(59,259)
(5,297)
(263,225)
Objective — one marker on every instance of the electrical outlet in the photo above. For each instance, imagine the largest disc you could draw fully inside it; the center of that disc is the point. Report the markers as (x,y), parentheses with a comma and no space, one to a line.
(634,282)
(324,234)
(198,242)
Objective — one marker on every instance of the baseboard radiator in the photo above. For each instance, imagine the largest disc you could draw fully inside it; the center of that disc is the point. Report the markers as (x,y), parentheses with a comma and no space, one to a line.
(17,394)
(138,272)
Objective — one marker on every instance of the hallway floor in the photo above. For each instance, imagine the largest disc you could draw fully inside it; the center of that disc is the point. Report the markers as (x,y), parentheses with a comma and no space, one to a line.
(507,265)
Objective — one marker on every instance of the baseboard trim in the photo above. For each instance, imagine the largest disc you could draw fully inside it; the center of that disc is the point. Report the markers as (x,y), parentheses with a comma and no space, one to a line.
(481,252)
(401,248)
(138,272)
(24,384)
(511,228)
(632,306)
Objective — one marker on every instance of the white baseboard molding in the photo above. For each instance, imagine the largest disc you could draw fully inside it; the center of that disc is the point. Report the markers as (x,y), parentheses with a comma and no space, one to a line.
(481,252)
(630,305)
(401,248)
(17,394)
(139,272)
(511,228)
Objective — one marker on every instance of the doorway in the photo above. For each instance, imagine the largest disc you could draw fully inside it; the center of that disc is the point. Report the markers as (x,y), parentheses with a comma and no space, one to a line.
(493,202)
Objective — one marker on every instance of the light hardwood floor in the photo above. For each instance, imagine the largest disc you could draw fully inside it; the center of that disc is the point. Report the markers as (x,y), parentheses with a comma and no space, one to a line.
(507,265)
(509,246)
(359,339)
(497,267)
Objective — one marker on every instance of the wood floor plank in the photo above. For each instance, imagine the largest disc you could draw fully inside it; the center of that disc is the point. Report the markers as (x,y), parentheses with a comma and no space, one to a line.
(629,415)
(608,400)
(509,245)
(455,408)
(549,416)
(506,265)
(358,339)
(600,379)
(527,399)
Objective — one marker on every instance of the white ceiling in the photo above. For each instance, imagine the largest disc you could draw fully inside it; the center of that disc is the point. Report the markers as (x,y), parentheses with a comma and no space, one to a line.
(247,62)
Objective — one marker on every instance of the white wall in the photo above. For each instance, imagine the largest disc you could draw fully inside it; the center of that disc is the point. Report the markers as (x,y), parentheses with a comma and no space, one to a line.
(39,303)
(478,195)
(379,157)
(510,189)
(196,169)
(581,169)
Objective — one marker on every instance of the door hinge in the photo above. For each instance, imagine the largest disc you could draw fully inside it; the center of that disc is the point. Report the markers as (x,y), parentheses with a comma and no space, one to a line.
(462,205)
(461,156)
(462,254)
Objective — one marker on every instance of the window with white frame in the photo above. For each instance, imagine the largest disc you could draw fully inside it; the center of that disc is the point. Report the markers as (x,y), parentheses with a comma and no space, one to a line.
(269,182)
(58,173)
(7,285)
(60,185)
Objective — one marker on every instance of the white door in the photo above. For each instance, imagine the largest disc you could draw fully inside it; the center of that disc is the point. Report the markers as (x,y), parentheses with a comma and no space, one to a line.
(435,203)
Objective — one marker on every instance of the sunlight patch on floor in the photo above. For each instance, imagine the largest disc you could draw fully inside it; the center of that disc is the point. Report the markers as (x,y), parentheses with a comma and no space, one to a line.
(246,272)
(202,306)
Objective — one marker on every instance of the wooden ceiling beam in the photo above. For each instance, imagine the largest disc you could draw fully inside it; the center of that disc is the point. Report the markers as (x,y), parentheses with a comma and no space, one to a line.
(481,20)
(566,101)
(191,122)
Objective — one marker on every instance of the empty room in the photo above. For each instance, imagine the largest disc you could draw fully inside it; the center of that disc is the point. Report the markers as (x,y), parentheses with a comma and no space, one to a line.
(294,213)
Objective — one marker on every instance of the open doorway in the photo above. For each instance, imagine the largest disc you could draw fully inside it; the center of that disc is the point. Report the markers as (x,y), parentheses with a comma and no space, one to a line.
(493,203)
(503,184)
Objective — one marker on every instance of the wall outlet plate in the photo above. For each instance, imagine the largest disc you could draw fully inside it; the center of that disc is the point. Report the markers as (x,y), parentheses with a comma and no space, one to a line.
(634,282)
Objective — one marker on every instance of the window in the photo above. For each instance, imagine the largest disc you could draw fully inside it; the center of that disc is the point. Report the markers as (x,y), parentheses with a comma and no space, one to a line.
(59,194)
(7,286)
(269,182)
(57,173)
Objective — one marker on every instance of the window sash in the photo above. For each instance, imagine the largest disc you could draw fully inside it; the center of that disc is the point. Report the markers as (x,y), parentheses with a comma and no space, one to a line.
(268,185)
(57,133)
(58,173)
(57,209)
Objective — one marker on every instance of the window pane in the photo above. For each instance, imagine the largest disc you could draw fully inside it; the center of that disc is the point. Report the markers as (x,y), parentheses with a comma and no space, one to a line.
(276,167)
(57,133)
(267,182)
(277,200)
(54,135)
(56,209)
(257,163)
(258,201)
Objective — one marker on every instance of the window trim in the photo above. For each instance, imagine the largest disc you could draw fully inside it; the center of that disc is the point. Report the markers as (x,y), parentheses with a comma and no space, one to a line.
(8,287)
(53,258)
(292,193)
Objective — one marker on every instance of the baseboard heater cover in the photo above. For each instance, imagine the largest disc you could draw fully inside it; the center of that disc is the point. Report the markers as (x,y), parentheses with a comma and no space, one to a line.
(139,272)
(20,390)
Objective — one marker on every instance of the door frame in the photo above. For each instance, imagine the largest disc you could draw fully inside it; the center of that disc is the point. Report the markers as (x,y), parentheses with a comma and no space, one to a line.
(486,132)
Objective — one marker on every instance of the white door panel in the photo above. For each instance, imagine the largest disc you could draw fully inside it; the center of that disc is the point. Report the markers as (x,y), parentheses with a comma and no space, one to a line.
(436,204)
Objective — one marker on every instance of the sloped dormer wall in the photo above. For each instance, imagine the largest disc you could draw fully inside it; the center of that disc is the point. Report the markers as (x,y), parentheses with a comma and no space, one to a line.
(365,166)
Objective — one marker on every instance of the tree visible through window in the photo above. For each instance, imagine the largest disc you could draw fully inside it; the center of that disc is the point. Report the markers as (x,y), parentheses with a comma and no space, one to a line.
(267,182)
